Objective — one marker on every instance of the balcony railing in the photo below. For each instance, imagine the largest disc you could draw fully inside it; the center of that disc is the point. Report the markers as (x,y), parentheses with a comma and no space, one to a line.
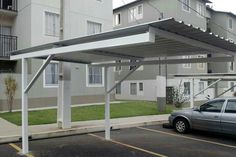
(10,5)
(8,43)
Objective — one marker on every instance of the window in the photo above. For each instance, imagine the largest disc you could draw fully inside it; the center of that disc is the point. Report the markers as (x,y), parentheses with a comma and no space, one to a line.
(52,24)
(231,106)
(133,66)
(95,76)
(118,68)
(231,86)
(117,19)
(214,106)
(140,86)
(187,65)
(5,30)
(51,75)
(186,5)
(118,89)
(201,66)
(200,9)
(230,23)
(136,13)
(186,88)
(201,87)
(231,66)
(93,28)
(133,88)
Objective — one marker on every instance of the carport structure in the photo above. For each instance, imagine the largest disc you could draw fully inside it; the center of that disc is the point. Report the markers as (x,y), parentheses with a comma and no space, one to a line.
(139,44)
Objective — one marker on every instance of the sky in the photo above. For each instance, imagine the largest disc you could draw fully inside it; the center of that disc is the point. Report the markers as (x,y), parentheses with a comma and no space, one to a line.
(221,5)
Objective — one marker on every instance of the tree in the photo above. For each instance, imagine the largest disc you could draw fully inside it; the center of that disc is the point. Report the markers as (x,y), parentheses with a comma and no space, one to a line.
(10,90)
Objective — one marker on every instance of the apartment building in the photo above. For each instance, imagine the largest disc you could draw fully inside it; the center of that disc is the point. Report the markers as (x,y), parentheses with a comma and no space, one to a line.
(26,23)
(142,84)
(222,24)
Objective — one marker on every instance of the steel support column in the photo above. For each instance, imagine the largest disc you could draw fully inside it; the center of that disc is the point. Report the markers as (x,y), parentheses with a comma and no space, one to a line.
(24,104)
(107,104)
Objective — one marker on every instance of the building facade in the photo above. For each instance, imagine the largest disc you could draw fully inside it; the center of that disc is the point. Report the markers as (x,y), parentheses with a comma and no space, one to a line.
(142,84)
(26,23)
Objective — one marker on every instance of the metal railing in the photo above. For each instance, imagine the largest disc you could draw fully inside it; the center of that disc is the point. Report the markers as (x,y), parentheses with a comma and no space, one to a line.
(8,43)
(10,5)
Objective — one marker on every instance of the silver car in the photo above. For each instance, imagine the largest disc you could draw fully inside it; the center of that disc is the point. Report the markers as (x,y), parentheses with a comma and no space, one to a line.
(218,115)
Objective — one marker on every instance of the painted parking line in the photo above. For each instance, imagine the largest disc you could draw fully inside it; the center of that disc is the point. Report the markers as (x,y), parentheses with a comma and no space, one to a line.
(19,149)
(190,138)
(130,146)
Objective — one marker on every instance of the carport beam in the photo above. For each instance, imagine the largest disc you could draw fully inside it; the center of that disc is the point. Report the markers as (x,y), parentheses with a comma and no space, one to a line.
(24,103)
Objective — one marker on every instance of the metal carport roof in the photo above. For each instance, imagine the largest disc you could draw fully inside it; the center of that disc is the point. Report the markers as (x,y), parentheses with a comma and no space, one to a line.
(160,38)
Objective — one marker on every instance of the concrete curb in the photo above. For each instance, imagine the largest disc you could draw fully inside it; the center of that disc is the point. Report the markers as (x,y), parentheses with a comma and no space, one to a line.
(76,131)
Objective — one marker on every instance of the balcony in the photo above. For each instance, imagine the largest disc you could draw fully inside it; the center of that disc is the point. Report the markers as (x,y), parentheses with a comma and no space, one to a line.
(8,43)
(8,7)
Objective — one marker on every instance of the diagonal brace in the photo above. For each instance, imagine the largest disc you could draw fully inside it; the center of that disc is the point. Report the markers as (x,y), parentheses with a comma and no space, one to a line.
(41,69)
(125,77)
(208,87)
(225,91)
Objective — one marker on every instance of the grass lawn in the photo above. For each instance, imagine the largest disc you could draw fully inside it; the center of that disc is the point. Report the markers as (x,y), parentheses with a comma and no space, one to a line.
(96,112)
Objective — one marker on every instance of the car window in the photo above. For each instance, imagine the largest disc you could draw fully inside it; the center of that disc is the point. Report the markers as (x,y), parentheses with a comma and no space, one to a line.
(231,106)
(213,106)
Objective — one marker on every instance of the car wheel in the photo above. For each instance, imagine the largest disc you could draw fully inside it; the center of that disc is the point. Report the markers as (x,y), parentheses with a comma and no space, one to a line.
(181,125)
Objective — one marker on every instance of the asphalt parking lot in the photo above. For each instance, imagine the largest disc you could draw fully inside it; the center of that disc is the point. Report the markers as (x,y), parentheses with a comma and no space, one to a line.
(133,142)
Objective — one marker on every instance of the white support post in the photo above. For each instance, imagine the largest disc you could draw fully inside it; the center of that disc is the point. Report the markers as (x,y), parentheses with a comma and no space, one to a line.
(107,104)
(192,93)
(24,103)
(64,96)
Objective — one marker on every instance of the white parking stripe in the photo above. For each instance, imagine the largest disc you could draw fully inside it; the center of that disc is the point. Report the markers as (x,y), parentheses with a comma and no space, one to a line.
(130,146)
(191,138)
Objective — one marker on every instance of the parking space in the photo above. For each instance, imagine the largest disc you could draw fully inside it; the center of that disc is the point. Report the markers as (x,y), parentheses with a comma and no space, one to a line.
(133,142)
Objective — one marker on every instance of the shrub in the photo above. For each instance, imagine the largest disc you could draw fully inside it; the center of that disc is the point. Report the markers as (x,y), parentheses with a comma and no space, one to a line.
(10,90)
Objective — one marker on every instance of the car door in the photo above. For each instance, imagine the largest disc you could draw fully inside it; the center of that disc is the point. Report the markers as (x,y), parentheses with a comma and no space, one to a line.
(209,116)
(228,119)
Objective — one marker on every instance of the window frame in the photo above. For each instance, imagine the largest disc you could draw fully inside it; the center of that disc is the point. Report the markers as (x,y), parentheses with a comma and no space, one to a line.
(231,84)
(135,17)
(118,85)
(231,66)
(187,65)
(188,88)
(199,89)
(119,13)
(94,85)
(44,77)
(140,84)
(118,68)
(199,64)
(44,23)
(89,21)
(130,85)
(183,5)
(201,11)
(230,19)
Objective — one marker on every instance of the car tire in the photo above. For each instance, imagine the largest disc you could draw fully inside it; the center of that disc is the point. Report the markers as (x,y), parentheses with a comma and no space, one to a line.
(181,125)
